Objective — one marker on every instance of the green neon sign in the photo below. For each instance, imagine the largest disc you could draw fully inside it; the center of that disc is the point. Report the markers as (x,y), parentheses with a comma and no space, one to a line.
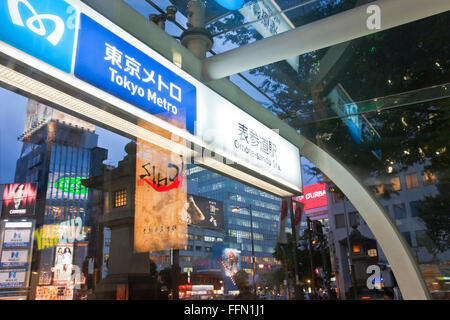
(71,185)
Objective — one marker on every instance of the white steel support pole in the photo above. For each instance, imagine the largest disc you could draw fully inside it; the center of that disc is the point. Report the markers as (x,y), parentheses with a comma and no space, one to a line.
(320,34)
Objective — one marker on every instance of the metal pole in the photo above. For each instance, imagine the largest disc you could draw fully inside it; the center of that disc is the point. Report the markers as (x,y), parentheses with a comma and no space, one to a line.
(313,282)
(326,32)
(286,271)
(253,248)
(352,272)
(294,250)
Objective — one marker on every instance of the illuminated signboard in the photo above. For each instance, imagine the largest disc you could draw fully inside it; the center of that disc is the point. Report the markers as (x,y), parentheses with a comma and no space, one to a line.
(19,199)
(14,258)
(106,62)
(128,73)
(12,278)
(43,29)
(71,185)
(314,196)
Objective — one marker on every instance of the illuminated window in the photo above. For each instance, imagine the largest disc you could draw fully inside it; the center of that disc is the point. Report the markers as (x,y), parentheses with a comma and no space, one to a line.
(120,198)
(428,178)
(356,249)
(395,183)
(372,252)
(411,181)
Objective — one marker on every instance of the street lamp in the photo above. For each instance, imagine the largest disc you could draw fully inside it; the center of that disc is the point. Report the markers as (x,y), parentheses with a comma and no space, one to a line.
(249,207)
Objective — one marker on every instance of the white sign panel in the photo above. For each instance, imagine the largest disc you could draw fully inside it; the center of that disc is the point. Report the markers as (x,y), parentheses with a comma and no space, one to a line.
(236,135)
(12,278)
(14,258)
(16,238)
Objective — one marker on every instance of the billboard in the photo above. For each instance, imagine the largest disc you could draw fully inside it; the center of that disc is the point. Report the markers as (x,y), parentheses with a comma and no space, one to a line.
(314,196)
(19,199)
(203,212)
(231,261)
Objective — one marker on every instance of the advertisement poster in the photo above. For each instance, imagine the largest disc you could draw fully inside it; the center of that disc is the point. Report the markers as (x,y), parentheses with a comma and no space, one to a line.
(62,270)
(12,278)
(54,293)
(231,261)
(19,199)
(16,238)
(14,258)
(204,212)
(159,199)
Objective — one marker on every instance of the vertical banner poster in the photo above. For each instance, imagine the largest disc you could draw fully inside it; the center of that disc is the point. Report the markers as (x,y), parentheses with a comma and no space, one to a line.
(62,269)
(159,199)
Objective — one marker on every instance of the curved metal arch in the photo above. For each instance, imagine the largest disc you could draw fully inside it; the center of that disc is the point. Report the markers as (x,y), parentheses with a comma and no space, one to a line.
(394,246)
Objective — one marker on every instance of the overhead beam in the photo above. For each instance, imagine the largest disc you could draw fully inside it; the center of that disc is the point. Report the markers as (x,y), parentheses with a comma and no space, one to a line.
(338,28)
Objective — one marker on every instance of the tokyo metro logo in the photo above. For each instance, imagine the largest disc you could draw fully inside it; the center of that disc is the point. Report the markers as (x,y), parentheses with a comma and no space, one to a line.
(54,37)
(44,29)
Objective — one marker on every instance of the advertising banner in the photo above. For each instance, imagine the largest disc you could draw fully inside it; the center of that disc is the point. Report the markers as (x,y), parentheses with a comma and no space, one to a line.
(12,278)
(314,196)
(204,212)
(62,268)
(19,199)
(231,261)
(160,198)
(16,238)
(14,258)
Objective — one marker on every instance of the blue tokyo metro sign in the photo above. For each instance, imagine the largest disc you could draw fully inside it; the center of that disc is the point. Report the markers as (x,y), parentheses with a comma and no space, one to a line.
(43,29)
(115,66)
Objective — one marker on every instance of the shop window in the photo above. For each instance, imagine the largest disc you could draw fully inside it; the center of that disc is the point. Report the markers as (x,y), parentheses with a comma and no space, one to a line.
(411,181)
(120,198)
(415,206)
(399,211)
(198,248)
(372,252)
(339,220)
(198,238)
(208,249)
(396,184)
(428,178)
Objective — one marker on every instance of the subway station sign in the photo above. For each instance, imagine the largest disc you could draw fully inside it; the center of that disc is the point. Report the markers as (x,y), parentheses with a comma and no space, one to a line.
(80,47)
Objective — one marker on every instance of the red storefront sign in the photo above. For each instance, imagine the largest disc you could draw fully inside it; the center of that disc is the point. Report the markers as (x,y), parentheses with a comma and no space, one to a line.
(314,196)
